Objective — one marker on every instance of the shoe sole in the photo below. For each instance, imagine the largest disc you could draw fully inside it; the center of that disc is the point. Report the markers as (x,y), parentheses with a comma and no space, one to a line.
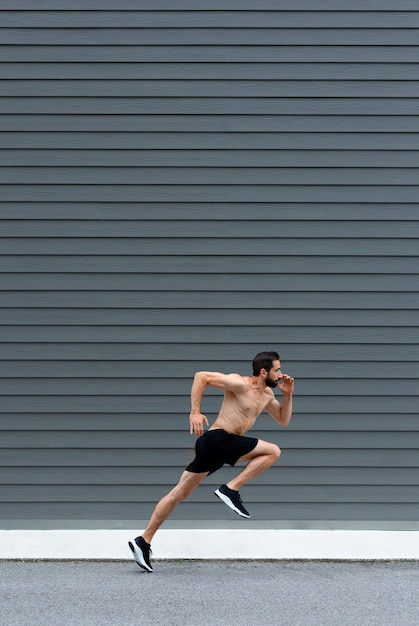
(138,556)
(230,504)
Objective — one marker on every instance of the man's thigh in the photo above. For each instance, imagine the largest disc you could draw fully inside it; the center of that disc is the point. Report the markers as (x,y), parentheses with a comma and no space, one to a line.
(262,447)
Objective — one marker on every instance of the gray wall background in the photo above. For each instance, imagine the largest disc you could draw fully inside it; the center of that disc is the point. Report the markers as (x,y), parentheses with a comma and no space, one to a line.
(183,185)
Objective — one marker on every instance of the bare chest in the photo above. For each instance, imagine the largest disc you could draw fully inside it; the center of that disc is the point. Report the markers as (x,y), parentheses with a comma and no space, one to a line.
(250,403)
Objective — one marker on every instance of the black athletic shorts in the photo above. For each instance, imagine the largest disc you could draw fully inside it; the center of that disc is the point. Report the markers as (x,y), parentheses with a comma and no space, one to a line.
(216,447)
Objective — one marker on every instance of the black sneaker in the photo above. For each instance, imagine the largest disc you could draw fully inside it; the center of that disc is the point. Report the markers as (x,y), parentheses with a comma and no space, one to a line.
(141,551)
(232,499)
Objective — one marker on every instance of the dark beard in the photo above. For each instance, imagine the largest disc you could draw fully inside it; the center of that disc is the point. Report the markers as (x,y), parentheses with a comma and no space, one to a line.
(271,383)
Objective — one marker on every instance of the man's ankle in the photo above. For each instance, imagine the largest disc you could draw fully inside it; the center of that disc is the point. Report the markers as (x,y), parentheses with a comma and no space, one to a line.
(232,488)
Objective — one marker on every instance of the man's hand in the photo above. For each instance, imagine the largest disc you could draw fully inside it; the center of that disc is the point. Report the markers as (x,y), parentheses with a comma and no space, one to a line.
(287,385)
(196,421)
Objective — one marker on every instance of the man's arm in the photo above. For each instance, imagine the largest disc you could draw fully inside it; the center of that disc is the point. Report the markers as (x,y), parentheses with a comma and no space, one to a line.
(282,412)
(230,382)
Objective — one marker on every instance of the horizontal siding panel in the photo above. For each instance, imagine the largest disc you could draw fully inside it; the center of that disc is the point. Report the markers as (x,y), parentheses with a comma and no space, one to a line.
(235,72)
(134,140)
(137,369)
(130,404)
(203,300)
(130,264)
(211,193)
(254,494)
(213,106)
(240,123)
(204,352)
(339,423)
(139,53)
(67,101)
(153,440)
(273,229)
(206,282)
(321,246)
(43,35)
(220,334)
(164,476)
(216,317)
(198,511)
(178,459)
(371,159)
(221,89)
(224,211)
(210,176)
(110,457)
(180,387)
(210,19)
(208,5)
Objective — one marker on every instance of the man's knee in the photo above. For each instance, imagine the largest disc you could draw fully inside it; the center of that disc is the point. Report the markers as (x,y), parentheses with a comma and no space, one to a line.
(184,488)
(275,452)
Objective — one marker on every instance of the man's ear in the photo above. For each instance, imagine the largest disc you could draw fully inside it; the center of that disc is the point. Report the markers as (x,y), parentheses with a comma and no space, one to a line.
(263,372)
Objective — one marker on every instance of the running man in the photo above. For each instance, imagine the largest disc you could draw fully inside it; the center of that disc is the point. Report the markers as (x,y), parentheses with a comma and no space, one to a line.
(245,397)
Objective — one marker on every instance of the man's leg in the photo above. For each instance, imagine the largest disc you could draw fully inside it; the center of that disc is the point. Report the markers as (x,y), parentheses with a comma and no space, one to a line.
(188,482)
(261,458)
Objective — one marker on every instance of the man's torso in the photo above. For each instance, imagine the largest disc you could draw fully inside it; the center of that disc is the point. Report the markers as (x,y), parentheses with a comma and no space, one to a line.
(239,411)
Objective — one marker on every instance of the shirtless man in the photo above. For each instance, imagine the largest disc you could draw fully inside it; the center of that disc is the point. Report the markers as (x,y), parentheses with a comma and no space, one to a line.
(245,397)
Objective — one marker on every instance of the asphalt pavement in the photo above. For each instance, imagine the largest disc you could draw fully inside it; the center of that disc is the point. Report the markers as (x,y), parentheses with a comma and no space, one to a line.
(209,593)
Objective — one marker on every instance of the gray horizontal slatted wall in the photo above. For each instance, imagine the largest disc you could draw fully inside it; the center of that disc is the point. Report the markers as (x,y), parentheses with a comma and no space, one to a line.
(182,185)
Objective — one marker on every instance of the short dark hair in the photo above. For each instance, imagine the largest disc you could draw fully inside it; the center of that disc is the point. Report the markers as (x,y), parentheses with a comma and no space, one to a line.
(264,360)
